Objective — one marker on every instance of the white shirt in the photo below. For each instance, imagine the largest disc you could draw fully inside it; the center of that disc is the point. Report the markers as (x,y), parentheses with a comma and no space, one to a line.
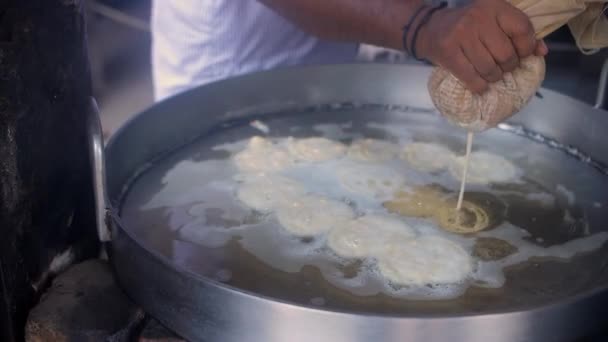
(200,41)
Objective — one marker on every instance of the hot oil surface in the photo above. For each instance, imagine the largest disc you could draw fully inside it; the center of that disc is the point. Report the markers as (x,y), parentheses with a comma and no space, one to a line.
(189,219)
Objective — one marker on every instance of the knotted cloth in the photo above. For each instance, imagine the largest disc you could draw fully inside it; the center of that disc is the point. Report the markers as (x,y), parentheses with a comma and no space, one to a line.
(478,112)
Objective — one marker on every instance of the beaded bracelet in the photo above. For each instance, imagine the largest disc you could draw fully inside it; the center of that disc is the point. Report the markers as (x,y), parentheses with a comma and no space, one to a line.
(424,21)
(406,28)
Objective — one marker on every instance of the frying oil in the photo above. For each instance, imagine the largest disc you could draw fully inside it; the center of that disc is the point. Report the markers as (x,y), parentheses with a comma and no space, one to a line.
(185,209)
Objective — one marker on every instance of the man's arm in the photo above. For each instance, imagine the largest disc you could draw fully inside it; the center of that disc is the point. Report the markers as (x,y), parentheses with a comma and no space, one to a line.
(477,43)
(376,22)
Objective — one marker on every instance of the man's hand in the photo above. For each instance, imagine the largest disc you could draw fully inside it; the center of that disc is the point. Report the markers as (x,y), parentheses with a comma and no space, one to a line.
(480,42)
(477,43)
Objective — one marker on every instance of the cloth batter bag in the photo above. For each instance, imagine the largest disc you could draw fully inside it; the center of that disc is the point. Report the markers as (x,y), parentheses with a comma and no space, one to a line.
(505,98)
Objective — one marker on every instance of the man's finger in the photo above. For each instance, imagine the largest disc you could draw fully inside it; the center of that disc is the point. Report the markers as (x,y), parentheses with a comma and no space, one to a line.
(524,45)
(482,61)
(460,67)
(541,49)
(517,26)
(501,48)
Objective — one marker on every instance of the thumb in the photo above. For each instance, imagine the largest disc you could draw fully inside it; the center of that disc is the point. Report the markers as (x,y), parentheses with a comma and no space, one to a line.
(541,49)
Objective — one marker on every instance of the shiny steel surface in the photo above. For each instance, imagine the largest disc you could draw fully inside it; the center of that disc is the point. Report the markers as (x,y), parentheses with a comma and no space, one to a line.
(202,309)
(602,89)
(96,155)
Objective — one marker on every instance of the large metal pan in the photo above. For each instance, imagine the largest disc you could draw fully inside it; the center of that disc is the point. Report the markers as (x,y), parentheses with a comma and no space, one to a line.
(203,309)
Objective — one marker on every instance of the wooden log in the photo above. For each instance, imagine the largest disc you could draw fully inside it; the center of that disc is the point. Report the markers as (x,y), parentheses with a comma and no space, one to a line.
(46,202)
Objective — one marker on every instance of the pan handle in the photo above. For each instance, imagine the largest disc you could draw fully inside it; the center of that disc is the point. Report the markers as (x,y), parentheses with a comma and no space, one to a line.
(602,90)
(96,155)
